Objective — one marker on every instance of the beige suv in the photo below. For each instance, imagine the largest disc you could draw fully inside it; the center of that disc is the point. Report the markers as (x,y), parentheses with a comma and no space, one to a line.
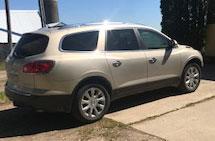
(81,69)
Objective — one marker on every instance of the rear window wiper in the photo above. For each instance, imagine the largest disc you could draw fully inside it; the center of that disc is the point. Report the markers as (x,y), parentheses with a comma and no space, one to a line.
(18,56)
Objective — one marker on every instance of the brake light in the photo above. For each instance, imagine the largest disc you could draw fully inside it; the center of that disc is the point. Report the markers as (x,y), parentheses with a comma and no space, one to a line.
(42,66)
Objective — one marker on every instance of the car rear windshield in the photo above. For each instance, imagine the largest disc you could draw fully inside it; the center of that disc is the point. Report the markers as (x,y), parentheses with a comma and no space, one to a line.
(31,44)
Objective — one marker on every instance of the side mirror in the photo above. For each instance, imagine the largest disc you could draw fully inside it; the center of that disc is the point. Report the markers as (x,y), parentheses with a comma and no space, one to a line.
(176,43)
(173,43)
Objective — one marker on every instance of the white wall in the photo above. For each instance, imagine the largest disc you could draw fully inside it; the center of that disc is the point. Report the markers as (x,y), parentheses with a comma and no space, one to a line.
(22,21)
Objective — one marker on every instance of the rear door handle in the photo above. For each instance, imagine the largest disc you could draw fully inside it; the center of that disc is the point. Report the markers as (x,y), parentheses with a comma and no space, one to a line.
(153,60)
(116,63)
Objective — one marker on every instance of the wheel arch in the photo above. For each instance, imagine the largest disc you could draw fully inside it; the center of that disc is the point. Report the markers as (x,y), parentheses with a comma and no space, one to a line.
(194,60)
(94,79)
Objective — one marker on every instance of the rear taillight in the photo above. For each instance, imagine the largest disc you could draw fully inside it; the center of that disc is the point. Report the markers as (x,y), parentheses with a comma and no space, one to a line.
(42,66)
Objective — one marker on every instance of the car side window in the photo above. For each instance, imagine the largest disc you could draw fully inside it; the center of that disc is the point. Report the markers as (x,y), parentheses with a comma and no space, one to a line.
(86,41)
(121,40)
(153,40)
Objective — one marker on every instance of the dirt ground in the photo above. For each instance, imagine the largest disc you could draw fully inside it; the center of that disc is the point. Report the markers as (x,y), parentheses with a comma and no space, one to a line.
(24,124)
(2,80)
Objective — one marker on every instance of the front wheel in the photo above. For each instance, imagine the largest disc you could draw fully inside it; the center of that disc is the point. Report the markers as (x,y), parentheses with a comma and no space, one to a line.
(91,103)
(191,78)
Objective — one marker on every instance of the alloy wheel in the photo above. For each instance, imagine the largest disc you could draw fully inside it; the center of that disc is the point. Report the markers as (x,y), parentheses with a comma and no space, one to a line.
(93,102)
(192,78)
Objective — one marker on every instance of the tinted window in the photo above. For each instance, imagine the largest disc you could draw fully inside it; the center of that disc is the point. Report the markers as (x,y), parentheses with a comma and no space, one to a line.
(31,44)
(121,40)
(81,42)
(153,40)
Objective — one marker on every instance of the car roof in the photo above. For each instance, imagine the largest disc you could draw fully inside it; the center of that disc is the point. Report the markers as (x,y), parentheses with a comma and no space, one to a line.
(61,27)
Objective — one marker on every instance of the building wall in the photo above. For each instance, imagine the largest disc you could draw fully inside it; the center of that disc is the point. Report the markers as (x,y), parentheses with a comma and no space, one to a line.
(210,47)
(22,21)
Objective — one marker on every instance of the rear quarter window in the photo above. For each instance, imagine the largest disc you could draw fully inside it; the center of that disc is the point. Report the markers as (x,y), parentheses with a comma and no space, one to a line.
(31,44)
(86,41)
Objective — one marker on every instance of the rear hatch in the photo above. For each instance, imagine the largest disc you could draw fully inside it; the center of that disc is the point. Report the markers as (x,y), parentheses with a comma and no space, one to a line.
(25,51)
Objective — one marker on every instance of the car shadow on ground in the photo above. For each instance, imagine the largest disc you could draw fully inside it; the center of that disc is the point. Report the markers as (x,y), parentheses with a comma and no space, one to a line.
(20,122)
(144,98)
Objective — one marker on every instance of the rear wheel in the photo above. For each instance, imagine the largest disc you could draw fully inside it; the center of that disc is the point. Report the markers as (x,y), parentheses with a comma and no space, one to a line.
(191,78)
(91,103)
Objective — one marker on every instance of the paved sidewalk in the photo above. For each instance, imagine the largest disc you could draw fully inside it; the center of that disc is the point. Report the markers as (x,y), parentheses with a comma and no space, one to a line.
(166,110)
(195,123)
(171,101)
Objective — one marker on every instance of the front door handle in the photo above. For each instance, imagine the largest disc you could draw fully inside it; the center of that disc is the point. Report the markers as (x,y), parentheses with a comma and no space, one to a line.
(116,63)
(153,60)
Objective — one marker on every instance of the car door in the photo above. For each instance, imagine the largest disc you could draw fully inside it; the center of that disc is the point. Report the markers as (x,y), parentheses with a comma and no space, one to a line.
(163,60)
(127,62)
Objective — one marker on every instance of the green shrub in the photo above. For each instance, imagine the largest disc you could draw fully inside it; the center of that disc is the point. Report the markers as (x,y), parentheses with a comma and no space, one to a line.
(2,66)
(3,98)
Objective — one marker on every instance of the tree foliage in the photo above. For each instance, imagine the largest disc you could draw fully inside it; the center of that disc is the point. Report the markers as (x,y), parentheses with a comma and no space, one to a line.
(185,21)
(211,12)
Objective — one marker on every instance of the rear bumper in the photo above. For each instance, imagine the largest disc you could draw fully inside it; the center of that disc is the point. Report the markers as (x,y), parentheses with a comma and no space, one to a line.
(52,103)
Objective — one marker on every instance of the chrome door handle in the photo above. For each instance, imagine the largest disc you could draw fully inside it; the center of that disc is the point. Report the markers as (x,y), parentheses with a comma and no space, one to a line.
(116,63)
(153,60)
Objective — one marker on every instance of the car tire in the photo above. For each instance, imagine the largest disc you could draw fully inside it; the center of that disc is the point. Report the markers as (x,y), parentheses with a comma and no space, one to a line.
(191,78)
(91,103)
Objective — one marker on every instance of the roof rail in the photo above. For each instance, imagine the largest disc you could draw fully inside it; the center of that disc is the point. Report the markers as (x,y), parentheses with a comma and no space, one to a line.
(65,26)
(55,25)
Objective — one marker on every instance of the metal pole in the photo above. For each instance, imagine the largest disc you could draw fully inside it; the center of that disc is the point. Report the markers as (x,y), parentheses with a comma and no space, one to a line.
(9,33)
(42,13)
(51,11)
